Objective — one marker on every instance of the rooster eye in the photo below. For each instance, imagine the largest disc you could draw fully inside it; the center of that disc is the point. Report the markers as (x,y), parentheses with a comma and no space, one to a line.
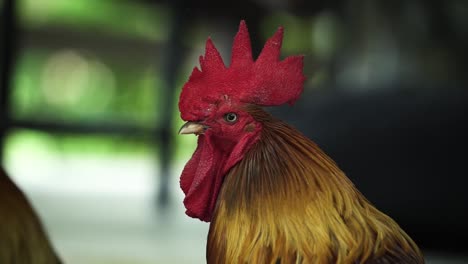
(230,117)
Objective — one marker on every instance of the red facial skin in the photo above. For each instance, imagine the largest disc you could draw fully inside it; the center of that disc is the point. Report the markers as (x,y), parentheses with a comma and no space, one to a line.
(222,145)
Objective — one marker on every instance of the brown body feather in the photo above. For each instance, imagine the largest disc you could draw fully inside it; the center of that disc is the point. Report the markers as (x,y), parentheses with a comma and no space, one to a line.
(22,237)
(288,202)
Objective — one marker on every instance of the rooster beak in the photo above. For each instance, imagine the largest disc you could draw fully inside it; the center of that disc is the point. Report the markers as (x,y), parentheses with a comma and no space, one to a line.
(192,128)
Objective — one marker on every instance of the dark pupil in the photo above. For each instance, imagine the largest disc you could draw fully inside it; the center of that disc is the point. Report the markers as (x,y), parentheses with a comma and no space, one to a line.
(231,117)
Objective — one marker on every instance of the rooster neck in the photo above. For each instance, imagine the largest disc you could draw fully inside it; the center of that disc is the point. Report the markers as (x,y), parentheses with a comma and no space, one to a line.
(287,200)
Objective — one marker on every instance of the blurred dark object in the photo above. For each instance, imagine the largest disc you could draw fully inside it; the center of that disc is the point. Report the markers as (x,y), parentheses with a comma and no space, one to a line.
(22,236)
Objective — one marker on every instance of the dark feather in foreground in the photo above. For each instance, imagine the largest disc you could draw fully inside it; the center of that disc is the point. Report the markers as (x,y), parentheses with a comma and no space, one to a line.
(22,237)
(287,202)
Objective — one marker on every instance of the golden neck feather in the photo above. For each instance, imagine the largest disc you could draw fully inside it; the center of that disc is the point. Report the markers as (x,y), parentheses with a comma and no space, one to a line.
(287,200)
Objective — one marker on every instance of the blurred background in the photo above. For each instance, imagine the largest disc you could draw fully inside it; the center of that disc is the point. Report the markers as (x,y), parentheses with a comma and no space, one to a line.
(89,118)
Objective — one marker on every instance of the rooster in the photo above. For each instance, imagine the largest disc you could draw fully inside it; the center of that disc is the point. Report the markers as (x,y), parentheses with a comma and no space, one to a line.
(270,193)
(23,240)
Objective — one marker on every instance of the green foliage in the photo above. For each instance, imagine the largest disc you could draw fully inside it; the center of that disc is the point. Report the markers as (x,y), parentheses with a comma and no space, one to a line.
(67,85)
(124,18)
(34,143)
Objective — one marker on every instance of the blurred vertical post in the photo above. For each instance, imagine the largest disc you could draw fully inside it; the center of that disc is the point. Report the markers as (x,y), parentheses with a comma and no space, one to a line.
(171,63)
(7,44)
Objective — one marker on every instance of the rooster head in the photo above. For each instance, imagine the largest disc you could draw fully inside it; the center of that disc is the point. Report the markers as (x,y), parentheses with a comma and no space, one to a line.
(213,102)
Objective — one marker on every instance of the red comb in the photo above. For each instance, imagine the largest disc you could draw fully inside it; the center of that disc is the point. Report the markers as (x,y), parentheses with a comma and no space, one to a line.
(266,81)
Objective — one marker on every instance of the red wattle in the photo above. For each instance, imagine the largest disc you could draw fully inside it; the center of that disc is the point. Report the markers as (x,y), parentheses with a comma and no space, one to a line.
(203,175)
(199,180)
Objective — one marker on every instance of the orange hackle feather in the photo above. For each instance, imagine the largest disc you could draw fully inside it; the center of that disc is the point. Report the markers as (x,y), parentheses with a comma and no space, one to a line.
(288,202)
